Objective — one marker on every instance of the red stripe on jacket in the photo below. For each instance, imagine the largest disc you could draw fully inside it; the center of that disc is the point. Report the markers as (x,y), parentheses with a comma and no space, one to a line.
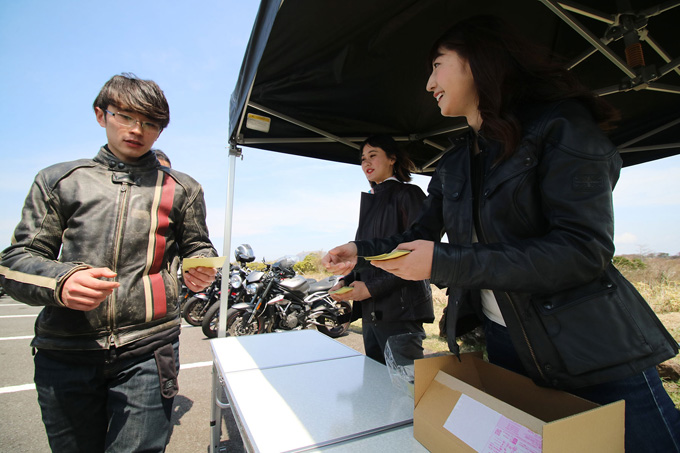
(160,306)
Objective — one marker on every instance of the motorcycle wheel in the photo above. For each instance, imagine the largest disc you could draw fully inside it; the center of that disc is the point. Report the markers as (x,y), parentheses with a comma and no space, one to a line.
(211,321)
(332,328)
(192,311)
(237,323)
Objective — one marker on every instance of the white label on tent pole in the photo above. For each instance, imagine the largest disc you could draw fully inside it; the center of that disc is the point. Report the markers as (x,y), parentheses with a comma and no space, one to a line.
(258,123)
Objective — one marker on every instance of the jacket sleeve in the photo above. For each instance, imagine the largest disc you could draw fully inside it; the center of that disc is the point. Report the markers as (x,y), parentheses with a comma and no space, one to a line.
(428,224)
(193,237)
(576,170)
(29,270)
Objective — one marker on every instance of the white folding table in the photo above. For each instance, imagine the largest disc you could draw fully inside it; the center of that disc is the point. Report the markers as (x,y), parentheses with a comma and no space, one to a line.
(302,391)
(277,349)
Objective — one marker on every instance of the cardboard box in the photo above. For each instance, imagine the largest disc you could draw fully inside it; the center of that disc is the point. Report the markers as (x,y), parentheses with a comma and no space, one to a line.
(496,410)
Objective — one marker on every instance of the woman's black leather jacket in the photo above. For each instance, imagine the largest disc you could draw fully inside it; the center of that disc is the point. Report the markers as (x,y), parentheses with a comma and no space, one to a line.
(545,224)
(136,219)
(391,209)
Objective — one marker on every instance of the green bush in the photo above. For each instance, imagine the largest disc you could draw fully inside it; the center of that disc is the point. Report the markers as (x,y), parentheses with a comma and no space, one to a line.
(621,262)
(311,264)
(256,266)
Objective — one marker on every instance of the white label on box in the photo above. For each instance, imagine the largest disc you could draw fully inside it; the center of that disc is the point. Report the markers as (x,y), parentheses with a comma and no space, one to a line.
(487,431)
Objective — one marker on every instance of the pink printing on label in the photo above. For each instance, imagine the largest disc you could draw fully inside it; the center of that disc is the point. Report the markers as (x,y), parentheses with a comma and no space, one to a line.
(511,437)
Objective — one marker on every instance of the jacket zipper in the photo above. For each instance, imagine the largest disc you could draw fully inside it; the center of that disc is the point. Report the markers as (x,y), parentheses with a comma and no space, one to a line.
(482,237)
(116,252)
(526,338)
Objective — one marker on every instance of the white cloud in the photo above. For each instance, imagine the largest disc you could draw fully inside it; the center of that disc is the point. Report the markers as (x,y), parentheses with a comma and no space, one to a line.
(651,184)
(625,238)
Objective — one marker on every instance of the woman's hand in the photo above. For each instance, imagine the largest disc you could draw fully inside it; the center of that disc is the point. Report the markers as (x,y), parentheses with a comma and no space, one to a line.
(337,286)
(359,291)
(417,265)
(341,259)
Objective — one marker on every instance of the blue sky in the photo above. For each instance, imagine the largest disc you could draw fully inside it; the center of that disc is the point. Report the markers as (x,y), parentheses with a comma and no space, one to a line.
(57,55)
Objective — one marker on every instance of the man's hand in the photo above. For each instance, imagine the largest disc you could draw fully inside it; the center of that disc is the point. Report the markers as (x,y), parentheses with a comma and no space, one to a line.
(417,265)
(84,290)
(342,259)
(199,278)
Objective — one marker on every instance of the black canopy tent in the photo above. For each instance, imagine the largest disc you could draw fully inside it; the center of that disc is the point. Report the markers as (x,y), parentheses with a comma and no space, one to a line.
(319,76)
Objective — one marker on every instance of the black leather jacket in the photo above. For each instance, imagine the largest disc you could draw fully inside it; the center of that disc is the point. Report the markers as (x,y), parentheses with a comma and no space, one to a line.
(544,219)
(390,209)
(136,219)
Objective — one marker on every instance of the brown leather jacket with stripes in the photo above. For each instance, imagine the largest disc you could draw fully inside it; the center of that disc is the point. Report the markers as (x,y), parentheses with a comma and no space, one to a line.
(136,219)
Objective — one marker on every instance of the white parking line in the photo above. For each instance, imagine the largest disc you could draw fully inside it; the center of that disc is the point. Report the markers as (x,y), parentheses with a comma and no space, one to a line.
(25,337)
(17,388)
(19,316)
(24,387)
(195,365)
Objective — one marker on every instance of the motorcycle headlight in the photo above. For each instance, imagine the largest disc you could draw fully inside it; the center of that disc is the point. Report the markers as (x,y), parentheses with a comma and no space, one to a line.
(236,281)
(251,289)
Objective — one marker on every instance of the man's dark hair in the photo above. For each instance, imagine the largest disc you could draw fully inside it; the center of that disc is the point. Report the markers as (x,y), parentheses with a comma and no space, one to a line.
(127,91)
(160,155)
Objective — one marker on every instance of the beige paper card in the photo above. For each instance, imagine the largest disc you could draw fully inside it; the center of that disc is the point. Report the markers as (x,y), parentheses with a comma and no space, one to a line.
(388,256)
(216,262)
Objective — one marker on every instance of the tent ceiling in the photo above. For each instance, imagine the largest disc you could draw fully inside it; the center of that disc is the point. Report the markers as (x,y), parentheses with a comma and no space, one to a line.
(327,74)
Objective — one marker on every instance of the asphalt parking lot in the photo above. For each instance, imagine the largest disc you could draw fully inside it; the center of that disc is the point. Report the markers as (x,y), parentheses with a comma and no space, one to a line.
(22,430)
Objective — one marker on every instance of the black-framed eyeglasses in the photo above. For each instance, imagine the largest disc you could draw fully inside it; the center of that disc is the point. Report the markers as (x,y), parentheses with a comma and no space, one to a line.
(128,121)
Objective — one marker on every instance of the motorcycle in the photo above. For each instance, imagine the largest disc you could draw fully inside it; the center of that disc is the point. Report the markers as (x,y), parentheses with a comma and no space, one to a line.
(282,300)
(244,254)
(237,293)
(197,304)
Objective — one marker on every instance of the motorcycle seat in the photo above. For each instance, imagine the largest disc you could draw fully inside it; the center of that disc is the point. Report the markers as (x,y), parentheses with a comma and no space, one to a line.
(296,284)
(324,285)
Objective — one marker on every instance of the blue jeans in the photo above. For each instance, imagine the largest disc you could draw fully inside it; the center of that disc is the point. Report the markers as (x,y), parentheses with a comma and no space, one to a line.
(652,421)
(114,407)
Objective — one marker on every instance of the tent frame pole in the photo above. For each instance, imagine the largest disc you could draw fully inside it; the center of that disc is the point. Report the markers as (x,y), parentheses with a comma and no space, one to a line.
(217,392)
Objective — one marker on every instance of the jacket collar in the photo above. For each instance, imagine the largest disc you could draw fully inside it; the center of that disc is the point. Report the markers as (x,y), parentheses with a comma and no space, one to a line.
(107,158)
(385,185)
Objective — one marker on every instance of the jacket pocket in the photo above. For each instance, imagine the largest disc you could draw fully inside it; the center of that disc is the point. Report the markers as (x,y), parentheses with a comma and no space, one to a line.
(452,188)
(455,223)
(592,326)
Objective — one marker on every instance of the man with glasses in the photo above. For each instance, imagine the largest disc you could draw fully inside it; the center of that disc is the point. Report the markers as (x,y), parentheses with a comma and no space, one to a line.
(98,245)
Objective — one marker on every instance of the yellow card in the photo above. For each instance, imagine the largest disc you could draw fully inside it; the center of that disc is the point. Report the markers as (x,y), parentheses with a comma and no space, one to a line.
(216,262)
(388,256)
(343,290)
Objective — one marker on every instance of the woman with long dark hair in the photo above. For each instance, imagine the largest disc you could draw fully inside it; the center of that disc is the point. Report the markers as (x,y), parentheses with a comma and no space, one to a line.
(525,198)
(387,304)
